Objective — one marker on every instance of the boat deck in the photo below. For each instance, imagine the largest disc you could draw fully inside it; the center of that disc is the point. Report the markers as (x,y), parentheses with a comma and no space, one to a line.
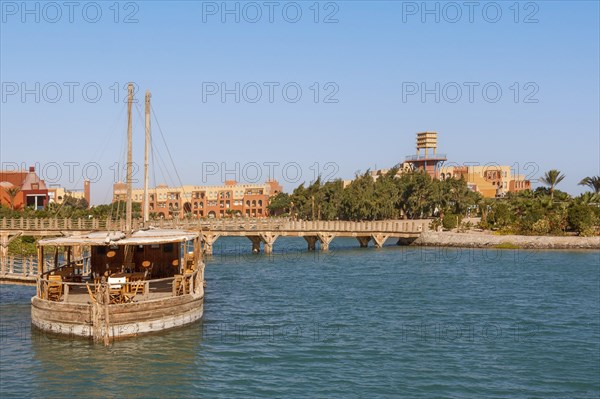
(78,293)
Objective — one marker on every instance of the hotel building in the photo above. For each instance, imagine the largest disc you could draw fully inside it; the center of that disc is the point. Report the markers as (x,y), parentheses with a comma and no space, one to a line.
(489,180)
(230,199)
(59,194)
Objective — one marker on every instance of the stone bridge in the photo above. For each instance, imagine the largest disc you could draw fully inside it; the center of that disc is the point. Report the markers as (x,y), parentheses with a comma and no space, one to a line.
(260,232)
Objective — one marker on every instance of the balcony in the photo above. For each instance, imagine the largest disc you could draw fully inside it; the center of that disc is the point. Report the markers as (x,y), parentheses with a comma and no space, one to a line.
(432,157)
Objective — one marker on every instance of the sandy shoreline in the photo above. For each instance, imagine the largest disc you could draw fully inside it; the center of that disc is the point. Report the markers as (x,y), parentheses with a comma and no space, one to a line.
(487,240)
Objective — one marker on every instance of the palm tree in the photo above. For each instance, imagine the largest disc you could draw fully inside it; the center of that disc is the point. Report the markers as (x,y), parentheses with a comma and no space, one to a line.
(592,182)
(588,198)
(12,194)
(552,178)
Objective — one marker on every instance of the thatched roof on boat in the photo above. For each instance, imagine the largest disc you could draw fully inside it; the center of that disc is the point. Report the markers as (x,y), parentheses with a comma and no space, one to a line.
(141,237)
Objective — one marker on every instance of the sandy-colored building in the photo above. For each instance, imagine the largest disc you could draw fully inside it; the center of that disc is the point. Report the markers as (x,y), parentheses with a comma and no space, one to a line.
(230,199)
(489,180)
(58,194)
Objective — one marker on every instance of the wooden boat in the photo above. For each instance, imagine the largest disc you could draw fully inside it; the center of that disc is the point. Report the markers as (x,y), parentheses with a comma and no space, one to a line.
(129,283)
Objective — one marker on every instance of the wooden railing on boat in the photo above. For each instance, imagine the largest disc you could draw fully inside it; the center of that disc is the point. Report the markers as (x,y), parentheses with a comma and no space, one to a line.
(77,267)
(86,292)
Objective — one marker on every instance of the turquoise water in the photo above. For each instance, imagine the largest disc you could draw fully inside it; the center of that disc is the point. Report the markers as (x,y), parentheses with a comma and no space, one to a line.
(393,322)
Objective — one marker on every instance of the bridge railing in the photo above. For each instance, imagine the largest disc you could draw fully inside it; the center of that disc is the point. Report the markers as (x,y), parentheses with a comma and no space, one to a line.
(382,226)
(28,266)
(16,265)
(41,224)
(241,224)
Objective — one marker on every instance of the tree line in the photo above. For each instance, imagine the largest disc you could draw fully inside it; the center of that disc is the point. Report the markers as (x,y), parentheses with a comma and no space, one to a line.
(416,195)
(411,195)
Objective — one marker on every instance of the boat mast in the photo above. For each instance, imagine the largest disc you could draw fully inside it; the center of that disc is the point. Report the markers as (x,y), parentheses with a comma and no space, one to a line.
(146,154)
(129,162)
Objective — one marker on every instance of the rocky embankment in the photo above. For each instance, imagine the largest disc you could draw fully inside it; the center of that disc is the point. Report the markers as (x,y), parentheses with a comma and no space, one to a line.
(487,240)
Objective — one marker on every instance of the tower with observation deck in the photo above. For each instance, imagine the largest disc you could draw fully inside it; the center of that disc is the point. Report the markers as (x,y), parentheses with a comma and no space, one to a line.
(427,159)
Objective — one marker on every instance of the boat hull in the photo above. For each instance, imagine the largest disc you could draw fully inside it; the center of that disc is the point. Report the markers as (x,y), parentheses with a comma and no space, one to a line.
(124,320)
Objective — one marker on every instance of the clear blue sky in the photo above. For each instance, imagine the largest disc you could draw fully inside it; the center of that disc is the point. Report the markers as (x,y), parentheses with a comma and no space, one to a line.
(371,61)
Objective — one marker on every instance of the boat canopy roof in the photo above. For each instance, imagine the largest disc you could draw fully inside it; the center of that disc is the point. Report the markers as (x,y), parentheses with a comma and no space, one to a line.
(140,237)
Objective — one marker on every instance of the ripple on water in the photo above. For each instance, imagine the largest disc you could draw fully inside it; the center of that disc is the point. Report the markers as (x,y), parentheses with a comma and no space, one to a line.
(353,323)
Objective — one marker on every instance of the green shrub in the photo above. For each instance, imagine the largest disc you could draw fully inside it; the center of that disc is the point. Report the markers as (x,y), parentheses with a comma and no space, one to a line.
(464,227)
(435,223)
(582,219)
(28,239)
(541,227)
(501,215)
(558,221)
(484,224)
(451,221)
(22,246)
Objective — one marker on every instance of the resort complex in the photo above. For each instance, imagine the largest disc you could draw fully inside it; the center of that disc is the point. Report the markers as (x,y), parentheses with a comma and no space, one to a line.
(230,199)
(490,180)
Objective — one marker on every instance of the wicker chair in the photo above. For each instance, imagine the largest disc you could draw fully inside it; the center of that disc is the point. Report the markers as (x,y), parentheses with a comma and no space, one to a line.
(54,290)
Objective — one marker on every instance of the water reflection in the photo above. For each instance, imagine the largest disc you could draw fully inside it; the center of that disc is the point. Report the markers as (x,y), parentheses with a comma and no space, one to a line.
(164,362)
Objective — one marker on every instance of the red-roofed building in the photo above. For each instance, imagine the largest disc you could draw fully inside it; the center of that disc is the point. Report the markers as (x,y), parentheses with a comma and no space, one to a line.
(20,189)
